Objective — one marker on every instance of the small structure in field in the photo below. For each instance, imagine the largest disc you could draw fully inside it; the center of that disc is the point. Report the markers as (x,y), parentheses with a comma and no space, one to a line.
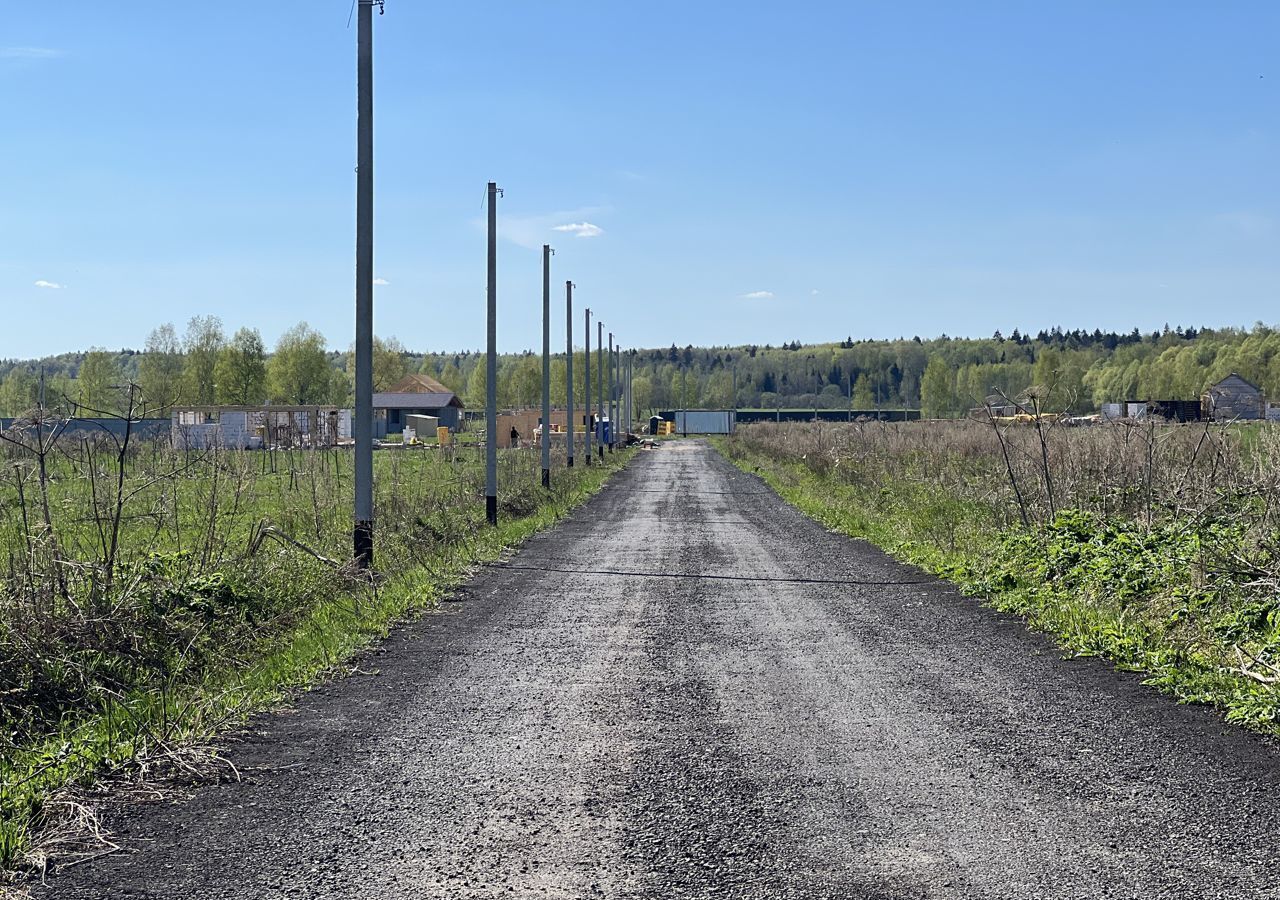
(74,427)
(255,427)
(998,405)
(1176,410)
(705,421)
(527,424)
(1164,410)
(415,395)
(1233,398)
(424,429)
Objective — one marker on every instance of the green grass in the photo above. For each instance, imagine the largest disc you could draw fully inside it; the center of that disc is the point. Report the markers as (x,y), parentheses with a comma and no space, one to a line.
(1161,601)
(197,634)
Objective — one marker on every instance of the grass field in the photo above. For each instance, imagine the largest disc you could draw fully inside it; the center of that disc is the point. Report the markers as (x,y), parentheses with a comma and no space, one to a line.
(150,596)
(1155,546)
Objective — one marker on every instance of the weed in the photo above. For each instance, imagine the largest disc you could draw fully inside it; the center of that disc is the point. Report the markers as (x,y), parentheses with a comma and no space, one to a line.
(150,596)
(1153,546)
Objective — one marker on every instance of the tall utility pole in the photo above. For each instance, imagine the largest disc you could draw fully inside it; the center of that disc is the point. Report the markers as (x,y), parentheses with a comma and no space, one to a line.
(600,385)
(590,429)
(546,365)
(616,394)
(631,413)
(568,372)
(613,420)
(684,401)
(362,537)
(491,368)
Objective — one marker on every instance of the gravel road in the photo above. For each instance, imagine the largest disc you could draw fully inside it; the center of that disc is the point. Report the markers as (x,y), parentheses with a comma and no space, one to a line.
(688,689)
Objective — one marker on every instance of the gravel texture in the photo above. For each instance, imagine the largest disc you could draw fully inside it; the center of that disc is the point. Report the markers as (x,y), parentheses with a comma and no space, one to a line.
(688,689)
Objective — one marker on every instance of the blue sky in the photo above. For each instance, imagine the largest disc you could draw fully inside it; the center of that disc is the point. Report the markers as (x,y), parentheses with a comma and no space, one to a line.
(753,172)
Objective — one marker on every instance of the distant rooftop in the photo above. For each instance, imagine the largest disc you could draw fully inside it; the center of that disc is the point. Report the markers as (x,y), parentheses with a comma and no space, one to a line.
(417,384)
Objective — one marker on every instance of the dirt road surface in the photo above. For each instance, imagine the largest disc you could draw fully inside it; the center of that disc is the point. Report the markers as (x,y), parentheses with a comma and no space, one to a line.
(688,689)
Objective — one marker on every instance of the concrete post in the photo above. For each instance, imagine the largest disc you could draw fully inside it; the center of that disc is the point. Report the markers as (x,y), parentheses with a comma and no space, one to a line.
(613,420)
(491,367)
(600,385)
(362,537)
(546,365)
(568,371)
(590,433)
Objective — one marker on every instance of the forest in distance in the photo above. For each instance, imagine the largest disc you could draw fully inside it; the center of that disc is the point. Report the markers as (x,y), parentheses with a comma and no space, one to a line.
(943,376)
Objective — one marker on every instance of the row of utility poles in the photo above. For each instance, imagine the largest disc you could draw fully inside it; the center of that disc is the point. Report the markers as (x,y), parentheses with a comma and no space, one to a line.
(618,375)
(615,406)
(613,378)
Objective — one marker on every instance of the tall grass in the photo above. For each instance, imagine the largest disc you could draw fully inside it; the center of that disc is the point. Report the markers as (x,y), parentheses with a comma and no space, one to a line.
(1155,545)
(149,595)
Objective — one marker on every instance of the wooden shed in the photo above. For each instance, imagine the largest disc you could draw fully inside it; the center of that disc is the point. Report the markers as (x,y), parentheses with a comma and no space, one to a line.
(1233,398)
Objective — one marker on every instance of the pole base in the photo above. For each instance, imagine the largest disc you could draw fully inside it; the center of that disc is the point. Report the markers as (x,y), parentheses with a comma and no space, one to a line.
(569,464)
(546,478)
(363,541)
(491,510)
(602,452)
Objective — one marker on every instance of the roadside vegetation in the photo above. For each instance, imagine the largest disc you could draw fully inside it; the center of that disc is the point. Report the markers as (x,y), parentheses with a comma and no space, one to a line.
(1155,546)
(150,597)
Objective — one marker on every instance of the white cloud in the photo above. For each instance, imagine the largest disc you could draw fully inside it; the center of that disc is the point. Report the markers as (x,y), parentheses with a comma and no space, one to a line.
(580,229)
(815,292)
(381,281)
(29,53)
(757,295)
(48,284)
(533,231)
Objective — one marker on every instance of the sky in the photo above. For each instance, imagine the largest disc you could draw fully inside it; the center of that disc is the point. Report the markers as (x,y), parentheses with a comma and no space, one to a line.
(708,173)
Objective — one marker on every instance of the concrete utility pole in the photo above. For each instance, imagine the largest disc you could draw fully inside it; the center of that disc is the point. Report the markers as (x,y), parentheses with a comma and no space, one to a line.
(590,430)
(362,537)
(684,401)
(546,365)
(616,398)
(613,420)
(600,386)
(491,368)
(568,371)
(630,415)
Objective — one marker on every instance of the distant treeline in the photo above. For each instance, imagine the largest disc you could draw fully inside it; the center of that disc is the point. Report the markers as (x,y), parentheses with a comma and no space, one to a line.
(1076,370)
